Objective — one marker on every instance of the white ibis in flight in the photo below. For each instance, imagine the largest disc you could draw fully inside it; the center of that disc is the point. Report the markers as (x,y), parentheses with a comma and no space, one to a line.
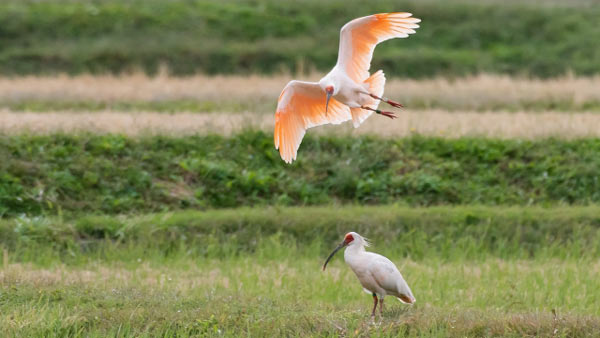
(348,92)
(377,274)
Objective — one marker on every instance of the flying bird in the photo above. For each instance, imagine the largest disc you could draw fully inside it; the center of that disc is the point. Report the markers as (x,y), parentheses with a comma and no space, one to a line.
(348,91)
(377,274)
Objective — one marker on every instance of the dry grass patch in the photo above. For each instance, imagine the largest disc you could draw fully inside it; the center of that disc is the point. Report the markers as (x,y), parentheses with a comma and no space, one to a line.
(140,87)
(481,93)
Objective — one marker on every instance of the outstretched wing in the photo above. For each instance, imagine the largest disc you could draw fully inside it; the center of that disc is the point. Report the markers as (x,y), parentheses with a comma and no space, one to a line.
(301,105)
(359,37)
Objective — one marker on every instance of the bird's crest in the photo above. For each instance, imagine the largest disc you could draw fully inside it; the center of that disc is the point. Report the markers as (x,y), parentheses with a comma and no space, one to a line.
(367,242)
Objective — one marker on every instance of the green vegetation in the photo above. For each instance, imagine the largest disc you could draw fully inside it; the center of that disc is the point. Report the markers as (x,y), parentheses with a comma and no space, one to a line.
(476,271)
(118,174)
(289,296)
(265,36)
(452,233)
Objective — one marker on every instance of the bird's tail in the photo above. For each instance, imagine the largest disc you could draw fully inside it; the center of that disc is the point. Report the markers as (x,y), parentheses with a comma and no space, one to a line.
(375,85)
(404,293)
(406,299)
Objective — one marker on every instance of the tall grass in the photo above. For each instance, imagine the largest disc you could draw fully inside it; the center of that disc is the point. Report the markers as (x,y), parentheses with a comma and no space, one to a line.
(450,233)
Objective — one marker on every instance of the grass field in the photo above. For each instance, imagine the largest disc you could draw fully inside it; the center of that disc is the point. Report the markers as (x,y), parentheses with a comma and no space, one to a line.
(476,271)
(278,296)
(157,207)
(229,279)
(114,194)
(141,194)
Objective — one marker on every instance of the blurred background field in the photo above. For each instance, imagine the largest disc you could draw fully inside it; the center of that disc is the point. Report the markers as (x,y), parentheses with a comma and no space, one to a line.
(141,194)
(541,38)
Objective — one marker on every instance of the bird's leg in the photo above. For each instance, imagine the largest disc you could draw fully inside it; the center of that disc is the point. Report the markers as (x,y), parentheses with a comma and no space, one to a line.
(381,307)
(375,305)
(380,112)
(386,100)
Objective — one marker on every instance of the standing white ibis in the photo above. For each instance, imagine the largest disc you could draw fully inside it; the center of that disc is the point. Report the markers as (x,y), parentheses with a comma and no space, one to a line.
(377,274)
(348,92)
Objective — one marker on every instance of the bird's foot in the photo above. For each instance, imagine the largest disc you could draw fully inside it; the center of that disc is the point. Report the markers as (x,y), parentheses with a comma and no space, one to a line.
(393,103)
(381,112)
(373,319)
(388,101)
(386,113)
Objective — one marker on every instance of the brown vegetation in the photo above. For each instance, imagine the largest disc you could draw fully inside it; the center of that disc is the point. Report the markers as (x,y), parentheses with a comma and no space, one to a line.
(470,93)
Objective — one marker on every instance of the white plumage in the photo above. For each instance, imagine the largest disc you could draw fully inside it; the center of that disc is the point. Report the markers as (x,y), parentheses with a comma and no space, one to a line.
(348,91)
(377,274)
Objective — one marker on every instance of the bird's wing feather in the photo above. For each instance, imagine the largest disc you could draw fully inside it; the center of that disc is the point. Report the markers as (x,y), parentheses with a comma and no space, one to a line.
(359,37)
(388,277)
(301,105)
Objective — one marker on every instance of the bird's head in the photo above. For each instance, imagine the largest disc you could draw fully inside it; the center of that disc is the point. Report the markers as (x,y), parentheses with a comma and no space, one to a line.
(329,92)
(330,89)
(351,239)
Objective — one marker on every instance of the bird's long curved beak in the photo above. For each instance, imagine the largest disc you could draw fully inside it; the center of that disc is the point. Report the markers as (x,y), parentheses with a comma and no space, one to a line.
(331,255)
(327,102)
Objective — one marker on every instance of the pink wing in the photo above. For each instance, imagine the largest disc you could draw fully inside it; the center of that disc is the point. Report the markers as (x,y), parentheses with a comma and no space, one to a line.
(301,105)
(359,37)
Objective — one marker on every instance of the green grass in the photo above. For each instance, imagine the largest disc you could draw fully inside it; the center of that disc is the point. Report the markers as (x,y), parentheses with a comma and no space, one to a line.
(475,271)
(266,36)
(118,174)
(290,296)
(452,233)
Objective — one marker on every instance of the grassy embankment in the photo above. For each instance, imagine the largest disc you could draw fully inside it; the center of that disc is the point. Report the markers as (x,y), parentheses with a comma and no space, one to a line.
(118,174)
(544,38)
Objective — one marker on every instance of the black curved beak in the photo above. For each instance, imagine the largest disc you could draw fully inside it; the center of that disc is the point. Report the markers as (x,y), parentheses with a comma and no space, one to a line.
(327,102)
(331,255)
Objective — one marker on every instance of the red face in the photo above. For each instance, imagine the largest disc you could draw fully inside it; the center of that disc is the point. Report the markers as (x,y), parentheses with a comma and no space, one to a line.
(329,90)
(348,239)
